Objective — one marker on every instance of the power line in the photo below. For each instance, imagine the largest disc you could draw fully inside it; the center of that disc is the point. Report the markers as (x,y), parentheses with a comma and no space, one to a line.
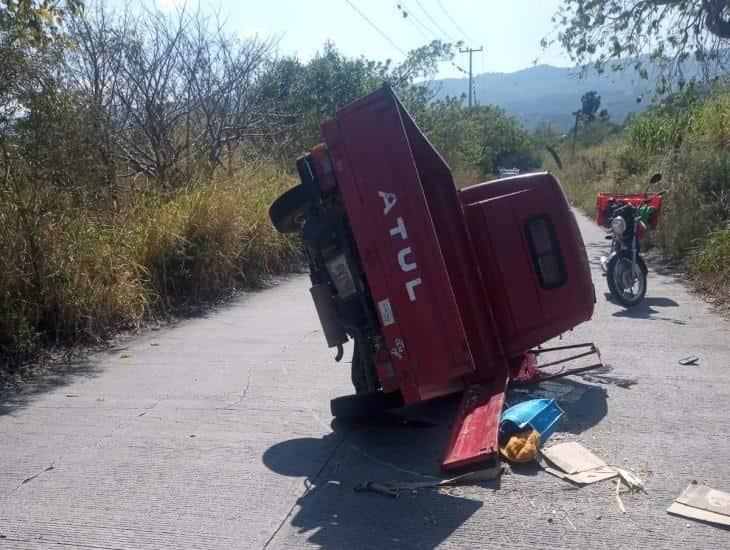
(420,28)
(374,26)
(432,20)
(424,29)
(463,33)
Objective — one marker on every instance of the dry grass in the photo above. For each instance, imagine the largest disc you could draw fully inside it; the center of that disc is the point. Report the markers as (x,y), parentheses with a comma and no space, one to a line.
(70,274)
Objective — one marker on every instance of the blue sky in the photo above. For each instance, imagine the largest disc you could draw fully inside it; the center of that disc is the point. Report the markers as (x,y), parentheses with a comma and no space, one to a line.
(509,31)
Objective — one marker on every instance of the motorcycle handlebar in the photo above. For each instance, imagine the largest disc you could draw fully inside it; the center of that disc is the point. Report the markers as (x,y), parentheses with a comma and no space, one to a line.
(656,194)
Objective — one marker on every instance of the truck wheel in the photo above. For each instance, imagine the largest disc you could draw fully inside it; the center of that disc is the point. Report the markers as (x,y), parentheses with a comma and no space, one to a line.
(627,286)
(288,212)
(365,404)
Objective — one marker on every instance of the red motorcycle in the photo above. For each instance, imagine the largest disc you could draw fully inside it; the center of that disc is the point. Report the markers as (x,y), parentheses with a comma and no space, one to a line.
(628,218)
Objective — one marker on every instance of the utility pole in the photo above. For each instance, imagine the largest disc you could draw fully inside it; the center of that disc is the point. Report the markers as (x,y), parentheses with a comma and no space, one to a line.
(470,52)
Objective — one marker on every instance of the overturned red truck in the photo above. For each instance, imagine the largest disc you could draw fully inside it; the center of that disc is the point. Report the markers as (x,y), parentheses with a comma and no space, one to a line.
(441,290)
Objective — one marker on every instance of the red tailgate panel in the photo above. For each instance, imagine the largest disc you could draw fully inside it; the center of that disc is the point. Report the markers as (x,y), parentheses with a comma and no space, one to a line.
(398,246)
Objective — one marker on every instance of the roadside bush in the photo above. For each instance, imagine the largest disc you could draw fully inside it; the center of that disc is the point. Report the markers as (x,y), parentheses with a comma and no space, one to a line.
(631,161)
(74,274)
(690,144)
(711,265)
(209,240)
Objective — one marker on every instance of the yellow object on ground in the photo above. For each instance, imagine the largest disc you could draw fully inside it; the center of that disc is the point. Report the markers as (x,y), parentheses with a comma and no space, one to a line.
(522,447)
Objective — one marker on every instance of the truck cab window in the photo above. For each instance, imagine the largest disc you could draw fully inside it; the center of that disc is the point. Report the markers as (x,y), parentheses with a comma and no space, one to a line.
(545,252)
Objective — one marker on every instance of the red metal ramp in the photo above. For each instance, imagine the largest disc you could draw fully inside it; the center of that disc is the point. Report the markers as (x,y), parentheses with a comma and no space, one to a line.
(475,433)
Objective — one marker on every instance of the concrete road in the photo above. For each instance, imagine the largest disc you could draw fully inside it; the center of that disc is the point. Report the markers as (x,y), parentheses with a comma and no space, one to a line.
(216,434)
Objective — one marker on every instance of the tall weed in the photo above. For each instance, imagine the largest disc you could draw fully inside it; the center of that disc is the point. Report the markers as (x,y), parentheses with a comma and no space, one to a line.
(68,273)
(691,147)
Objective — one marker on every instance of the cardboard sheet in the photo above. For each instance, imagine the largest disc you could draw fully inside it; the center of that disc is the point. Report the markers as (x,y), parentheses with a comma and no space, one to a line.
(703,503)
(587,477)
(572,457)
(696,513)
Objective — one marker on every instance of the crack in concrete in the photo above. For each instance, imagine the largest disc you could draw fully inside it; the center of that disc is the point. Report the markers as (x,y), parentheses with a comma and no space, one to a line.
(308,488)
(31,478)
(123,422)
(241,396)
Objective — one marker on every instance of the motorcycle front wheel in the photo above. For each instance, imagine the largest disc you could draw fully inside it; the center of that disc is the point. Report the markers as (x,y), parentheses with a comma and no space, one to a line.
(626,280)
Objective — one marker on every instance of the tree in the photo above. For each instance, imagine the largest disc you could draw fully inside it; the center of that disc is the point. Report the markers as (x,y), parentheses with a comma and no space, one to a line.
(484,138)
(307,94)
(615,33)
(29,32)
(590,103)
(169,95)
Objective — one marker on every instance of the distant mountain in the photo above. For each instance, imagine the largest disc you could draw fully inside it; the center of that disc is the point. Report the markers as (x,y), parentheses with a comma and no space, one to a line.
(550,94)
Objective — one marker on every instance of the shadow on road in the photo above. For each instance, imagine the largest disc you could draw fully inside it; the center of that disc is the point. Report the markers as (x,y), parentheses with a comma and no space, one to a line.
(647,310)
(61,374)
(401,447)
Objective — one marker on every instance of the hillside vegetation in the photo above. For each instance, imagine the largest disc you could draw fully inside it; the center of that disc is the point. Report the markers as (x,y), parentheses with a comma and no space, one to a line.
(687,139)
(139,156)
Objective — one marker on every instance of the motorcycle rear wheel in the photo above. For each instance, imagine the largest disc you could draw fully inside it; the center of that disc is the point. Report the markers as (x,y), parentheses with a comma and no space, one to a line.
(627,288)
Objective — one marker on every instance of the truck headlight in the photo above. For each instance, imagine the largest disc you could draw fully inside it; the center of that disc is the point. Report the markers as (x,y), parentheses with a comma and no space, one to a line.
(618,225)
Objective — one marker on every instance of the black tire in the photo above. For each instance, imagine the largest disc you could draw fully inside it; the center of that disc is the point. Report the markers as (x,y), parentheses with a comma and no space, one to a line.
(613,275)
(287,213)
(365,404)
(357,372)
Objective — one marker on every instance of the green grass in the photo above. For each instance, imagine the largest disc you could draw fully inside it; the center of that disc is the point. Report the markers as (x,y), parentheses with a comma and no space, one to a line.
(692,151)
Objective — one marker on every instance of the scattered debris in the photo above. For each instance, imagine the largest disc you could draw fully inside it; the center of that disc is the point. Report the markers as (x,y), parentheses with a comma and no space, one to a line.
(522,446)
(584,478)
(125,355)
(393,488)
(702,503)
(577,464)
(618,496)
(691,360)
(631,480)
(526,426)
(374,487)
(572,457)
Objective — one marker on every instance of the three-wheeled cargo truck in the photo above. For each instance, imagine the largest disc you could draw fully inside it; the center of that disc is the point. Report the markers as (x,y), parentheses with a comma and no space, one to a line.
(441,290)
